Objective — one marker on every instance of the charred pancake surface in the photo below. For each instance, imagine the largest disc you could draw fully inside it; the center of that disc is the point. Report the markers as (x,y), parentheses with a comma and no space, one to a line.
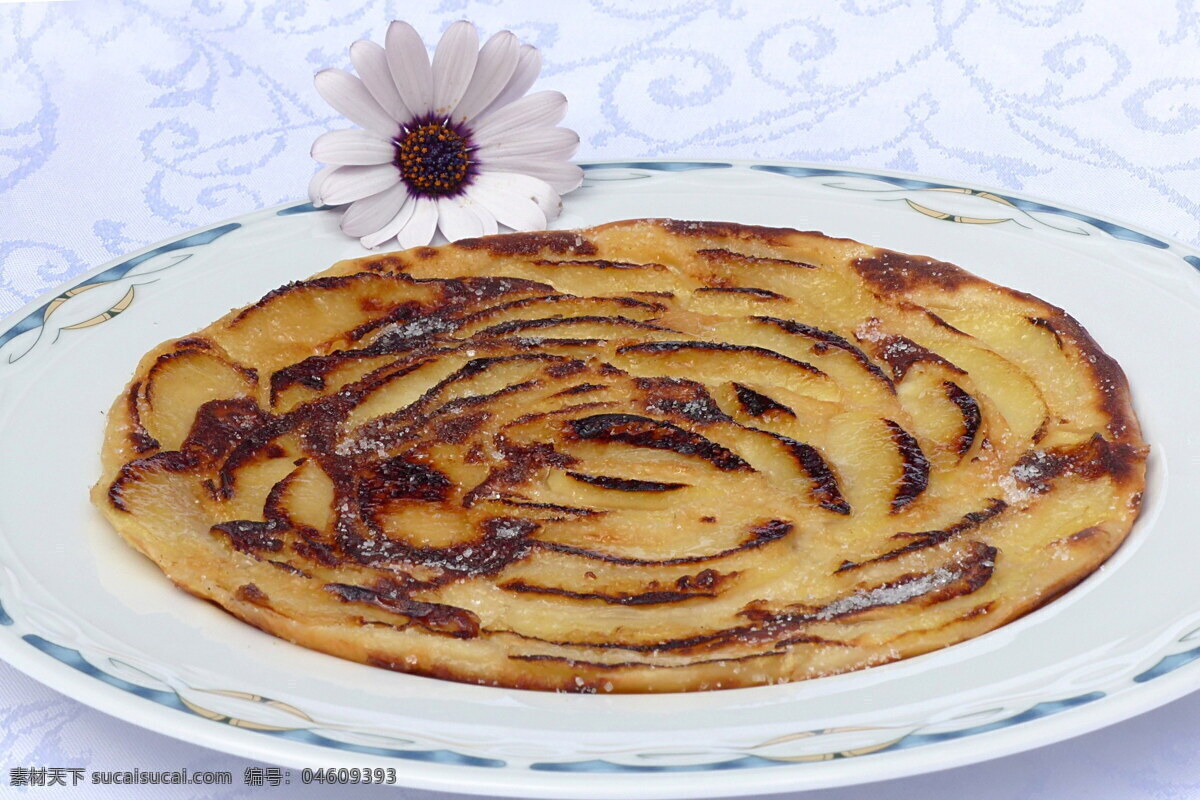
(615,460)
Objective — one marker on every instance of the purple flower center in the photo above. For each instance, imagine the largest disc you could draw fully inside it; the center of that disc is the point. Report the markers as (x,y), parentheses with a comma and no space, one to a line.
(434,157)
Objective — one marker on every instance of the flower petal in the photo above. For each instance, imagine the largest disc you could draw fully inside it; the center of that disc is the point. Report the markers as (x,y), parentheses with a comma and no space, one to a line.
(537,110)
(513,199)
(354,183)
(453,65)
(352,147)
(408,62)
(456,221)
(399,222)
(497,61)
(419,230)
(350,98)
(318,180)
(545,143)
(563,176)
(529,64)
(486,217)
(371,64)
(370,214)
(541,193)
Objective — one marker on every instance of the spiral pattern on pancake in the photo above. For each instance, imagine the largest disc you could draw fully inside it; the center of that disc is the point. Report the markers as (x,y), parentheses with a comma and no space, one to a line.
(649,456)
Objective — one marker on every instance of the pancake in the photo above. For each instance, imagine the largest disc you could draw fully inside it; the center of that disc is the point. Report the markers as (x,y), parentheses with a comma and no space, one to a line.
(649,456)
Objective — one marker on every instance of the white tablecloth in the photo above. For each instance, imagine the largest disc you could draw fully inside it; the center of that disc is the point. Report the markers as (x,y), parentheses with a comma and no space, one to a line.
(123,123)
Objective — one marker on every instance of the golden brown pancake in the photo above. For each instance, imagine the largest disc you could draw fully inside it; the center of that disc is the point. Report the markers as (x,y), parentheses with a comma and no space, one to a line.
(648,456)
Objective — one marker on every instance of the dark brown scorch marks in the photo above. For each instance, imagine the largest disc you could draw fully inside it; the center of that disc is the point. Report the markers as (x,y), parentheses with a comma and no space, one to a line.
(654,597)
(139,438)
(1094,459)
(249,536)
(719,347)
(393,596)
(824,486)
(972,416)
(926,539)
(728,256)
(1046,324)
(681,398)
(761,534)
(826,339)
(957,578)
(898,273)
(532,244)
(250,593)
(914,477)
(757,404)
(639,431)
(901,353)
(703,229)
(401,479)
(523,325)
(607,376)
(625,484)
(220,427)
(598,263)
(761,294)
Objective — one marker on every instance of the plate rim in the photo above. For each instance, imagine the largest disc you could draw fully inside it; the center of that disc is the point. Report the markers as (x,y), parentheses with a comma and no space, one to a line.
(113,699)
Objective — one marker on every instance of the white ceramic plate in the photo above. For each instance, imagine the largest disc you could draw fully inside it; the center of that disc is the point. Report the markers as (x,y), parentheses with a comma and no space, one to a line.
(86,615)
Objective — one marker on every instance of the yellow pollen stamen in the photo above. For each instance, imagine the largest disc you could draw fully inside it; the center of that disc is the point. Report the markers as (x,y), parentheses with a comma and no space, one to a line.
(433,158)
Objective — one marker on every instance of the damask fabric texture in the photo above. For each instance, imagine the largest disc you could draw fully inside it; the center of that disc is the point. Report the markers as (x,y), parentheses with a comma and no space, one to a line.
(123,123)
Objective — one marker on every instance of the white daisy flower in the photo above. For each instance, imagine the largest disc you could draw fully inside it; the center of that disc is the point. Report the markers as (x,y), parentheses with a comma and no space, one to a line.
(455,145)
